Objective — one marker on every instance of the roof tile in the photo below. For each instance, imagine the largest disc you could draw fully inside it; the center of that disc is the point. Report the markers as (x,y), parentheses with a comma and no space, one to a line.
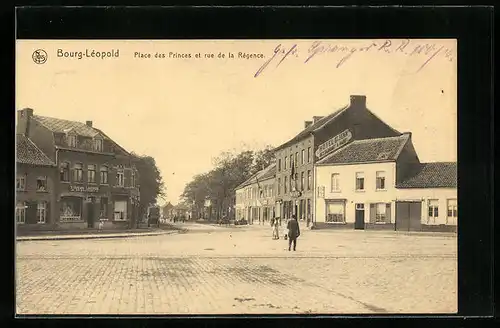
(431,175)
(63,126)
(28,153)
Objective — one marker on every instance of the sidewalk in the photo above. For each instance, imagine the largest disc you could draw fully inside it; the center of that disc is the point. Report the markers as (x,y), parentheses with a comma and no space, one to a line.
(94,233)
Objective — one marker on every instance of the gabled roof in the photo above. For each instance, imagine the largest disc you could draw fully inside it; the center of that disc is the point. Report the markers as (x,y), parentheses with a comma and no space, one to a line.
(311,128)
(265,174)
(369,150)
(431,175)
(63,126)
(28,153)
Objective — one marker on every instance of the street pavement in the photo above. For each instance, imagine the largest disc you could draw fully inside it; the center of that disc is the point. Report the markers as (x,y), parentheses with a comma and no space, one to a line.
(239,270)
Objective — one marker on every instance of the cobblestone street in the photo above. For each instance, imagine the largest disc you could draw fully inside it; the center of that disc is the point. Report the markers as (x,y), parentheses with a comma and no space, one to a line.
(218,270)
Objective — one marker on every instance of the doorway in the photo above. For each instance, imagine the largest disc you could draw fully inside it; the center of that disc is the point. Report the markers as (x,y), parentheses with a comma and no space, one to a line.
(359,222)
(408,215)
(90,214)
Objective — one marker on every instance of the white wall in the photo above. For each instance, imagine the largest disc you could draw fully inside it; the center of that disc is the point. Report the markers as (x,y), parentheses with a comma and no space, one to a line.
(348,185)
(426,194)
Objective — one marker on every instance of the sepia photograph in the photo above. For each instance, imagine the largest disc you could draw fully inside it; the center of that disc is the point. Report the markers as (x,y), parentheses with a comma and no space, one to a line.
(213,177)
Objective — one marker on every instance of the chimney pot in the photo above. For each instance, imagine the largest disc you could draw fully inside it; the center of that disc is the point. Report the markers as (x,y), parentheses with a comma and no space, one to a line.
(317,118)
(89,123)
(307,124)
(358,101)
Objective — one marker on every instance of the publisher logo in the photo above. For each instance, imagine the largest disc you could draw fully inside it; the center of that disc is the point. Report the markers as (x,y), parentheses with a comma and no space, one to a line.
(39,56)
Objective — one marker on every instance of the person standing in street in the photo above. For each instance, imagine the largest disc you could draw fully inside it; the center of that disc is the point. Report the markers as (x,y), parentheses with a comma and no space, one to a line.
(274,222)
(293,232)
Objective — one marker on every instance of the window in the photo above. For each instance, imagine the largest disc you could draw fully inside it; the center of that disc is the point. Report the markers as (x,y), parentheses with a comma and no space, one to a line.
(132,179)
(91,168)
(21,212)
(296,159)
(380,215)
(285,185)
(41,183)
(303,159)
(103,210)
(71,209)
(452,208)
(335,212)
(120,178)
(291,181)
(41,212)
(309,155)
(335,182)
(64,173)
(380,180)
(104,174)
(21,182)
(120,211)
(279,186)
(309,180)
(291,161)
(360,181)
(78,172)
(279,164)
(261,193)
(285,164)
(433,211)
(72,141)
(302,180)
(98,144)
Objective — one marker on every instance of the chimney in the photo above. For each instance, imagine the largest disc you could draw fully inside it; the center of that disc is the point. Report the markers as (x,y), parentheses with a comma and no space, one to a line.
(307,124)
(358,101)
(24,120)
(89,123)
(317,118)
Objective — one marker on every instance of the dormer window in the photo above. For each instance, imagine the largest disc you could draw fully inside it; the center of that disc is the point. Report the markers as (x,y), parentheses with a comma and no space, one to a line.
(72,141)
(98,144)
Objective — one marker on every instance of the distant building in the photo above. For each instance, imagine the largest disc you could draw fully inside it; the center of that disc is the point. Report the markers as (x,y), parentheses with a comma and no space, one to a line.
(296,158)
(255,198)
(380,183)
(36,179)
(168,211)
(96,179)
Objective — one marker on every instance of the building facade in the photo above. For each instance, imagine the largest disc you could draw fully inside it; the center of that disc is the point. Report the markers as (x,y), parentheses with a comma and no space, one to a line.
(295,159)
(96,180)
(255,198)
(381,184)
(36,177)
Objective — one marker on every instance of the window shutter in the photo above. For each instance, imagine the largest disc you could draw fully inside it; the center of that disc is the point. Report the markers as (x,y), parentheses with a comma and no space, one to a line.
(388,213)
(373,212)
(31,212)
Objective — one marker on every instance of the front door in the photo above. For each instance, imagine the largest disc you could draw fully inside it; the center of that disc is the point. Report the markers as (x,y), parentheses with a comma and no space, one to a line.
(90,214)
(359,223)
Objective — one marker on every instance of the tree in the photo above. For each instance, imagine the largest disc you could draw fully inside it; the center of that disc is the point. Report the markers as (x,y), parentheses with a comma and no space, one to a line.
(263,158)
(151,184)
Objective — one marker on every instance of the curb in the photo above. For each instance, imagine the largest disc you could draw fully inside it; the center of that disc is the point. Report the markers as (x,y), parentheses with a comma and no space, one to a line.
(75,237)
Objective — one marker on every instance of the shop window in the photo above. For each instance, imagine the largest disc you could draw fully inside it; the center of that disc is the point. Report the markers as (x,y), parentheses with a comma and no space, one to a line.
(21,182)
(21,212)
(103,172)
(380,214)
(71,209)
(120,213)
(433,211)
(335,213)
(64,172)
(360,181)
(78,172)
(41,212)
(91,168)
(103,210)
(41,183)
(335,182)
(380,180)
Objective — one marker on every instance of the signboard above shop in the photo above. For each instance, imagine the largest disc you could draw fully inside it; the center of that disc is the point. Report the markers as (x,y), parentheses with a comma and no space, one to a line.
(334,143)
(83,188)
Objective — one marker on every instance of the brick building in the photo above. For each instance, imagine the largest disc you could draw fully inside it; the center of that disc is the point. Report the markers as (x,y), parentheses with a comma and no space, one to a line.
(96,178)
(296,158)
(36,176)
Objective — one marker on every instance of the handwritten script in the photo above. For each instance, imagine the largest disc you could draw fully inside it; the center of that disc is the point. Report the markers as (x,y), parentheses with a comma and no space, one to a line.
(419,48)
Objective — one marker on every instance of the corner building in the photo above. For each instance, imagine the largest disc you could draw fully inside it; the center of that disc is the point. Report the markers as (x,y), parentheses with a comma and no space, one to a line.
(320,136)
(96,179)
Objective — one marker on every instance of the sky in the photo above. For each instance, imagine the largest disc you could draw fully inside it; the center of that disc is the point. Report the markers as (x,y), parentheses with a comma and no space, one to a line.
(185,111)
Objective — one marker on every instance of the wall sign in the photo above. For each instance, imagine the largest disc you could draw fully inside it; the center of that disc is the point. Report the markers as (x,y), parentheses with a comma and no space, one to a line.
(295,194)
(333,143)
(83,188)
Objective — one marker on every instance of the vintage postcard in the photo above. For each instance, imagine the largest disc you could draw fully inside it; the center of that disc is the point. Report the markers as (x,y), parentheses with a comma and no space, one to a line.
(236,177)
